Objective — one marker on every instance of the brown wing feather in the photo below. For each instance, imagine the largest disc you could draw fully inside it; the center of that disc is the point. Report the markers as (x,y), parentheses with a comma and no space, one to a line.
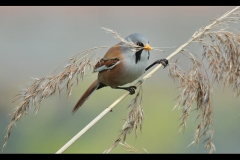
(114,52)
(113,75)
(106,62)
(111,58)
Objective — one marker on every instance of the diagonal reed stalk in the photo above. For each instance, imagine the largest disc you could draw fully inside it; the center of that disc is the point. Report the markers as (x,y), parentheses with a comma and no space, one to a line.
(195,36)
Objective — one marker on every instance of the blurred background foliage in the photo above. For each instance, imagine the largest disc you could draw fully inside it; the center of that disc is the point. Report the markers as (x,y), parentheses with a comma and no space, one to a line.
(34,40)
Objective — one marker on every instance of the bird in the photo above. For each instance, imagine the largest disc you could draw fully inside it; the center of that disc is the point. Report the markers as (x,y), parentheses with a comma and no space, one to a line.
(121,64)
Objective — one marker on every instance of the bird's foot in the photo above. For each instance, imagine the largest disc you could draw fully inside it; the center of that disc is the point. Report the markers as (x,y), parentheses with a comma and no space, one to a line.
(164,62)
(131,89)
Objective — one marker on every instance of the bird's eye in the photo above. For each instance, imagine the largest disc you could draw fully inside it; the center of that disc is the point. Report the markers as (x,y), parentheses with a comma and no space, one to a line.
(140,44)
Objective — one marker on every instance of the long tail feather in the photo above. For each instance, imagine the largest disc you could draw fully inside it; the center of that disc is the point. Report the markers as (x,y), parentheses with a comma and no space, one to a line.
(86,95)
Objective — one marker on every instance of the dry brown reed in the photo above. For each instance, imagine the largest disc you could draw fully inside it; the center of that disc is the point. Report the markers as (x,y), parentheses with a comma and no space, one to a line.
(133,122)
(42,88)
(195,87)
(221,49)
(131,148)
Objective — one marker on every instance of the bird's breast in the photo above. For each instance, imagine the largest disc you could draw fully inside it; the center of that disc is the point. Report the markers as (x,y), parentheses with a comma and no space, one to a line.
(126,71)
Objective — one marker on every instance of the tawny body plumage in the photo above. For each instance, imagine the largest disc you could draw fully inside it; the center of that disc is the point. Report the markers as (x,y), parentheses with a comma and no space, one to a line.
(126,71)
(120,65)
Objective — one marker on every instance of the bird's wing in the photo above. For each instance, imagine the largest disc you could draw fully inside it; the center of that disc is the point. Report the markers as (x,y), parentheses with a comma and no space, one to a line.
(106,64)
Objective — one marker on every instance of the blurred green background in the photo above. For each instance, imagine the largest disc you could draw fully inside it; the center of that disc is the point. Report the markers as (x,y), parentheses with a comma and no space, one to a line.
(34,40)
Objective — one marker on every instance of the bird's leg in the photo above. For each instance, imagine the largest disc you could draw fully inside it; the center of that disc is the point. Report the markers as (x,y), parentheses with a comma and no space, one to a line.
(164,62)
(131,89)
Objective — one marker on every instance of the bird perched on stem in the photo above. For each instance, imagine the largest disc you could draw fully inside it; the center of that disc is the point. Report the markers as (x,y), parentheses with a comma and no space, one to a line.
(123,63)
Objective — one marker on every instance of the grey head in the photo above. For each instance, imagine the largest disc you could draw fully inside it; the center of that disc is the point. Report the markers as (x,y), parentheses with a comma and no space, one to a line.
(139,40)
(136,37)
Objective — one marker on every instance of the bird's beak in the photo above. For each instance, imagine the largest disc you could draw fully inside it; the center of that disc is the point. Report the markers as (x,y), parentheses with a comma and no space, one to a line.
(147,47)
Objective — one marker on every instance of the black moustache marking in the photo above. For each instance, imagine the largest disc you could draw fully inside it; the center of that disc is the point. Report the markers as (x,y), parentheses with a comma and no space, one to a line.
(138,55)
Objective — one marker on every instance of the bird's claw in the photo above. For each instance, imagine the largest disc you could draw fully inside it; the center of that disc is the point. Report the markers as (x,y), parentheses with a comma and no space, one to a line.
(164,62)
(131,89)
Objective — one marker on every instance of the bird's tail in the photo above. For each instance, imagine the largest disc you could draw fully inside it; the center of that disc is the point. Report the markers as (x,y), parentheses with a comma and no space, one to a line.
(86,94)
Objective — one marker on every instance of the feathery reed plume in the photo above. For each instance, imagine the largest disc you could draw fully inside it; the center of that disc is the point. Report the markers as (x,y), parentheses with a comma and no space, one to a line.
(42,88)
(131,149)
(195,87)
(223,55)
(133,121)
(221,49)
